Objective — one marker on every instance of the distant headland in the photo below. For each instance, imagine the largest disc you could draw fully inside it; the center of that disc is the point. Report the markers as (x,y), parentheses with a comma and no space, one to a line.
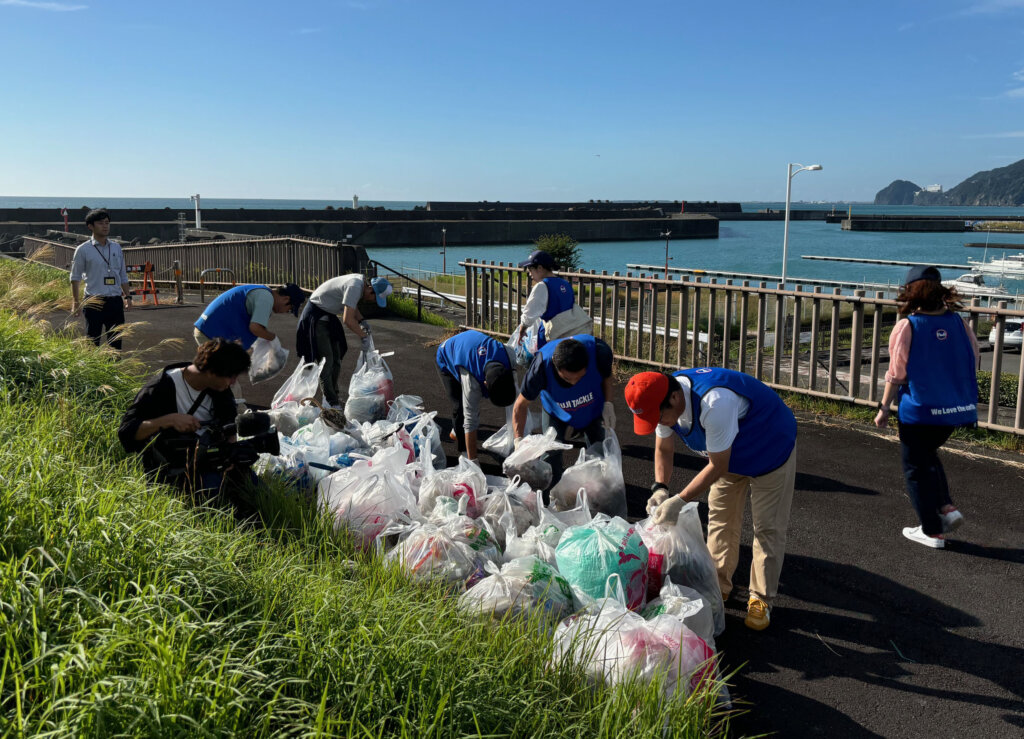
(995,187)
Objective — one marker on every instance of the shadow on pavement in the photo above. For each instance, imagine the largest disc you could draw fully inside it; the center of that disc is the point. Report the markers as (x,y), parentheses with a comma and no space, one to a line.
(882,635)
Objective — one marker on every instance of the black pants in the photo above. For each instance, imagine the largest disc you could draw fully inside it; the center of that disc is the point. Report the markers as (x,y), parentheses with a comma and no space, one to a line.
(923,472)
(103,313)
(453,387)
(320,335)
(594,433)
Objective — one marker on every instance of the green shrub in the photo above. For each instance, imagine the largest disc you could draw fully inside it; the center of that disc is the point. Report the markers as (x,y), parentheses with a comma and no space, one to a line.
(1007,388)
(563,248)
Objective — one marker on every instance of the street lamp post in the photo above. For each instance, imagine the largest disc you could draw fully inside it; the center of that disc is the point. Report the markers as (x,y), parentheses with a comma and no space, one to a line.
(666,234)
(444,251)
(790,174)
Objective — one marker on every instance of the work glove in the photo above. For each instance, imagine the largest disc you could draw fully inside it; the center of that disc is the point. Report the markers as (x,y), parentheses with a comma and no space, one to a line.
(667,513)
(365,327)
(516,442)
(608,415)
(659,494)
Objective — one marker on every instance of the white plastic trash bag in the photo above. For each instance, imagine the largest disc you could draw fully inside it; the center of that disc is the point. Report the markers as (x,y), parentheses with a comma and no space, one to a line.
(527,461)
(268,358)
(587,555)
(371,388)
(405,407)
(615,645)
(303,383)
(598,471)
(680,552)
(519,586)
(502,442)
(291,416)
(369,496)
(686,604)
(454,549)
(466,479)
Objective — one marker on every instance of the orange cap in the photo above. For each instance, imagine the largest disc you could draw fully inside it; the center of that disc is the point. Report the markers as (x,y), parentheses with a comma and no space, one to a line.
(644,393)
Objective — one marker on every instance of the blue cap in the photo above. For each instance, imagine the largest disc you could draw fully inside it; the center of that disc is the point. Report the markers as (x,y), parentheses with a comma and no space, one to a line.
(539,259)
(382,288)
(922,272)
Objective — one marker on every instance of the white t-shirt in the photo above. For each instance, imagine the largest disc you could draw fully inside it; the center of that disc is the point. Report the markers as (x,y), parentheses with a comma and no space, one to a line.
(720,412)
(185,395)
(338,292)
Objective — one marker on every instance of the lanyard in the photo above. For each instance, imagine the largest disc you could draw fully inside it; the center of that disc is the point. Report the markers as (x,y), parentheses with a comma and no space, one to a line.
(106,259)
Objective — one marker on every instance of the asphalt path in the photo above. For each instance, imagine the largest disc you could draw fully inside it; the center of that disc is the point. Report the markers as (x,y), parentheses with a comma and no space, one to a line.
(872,635)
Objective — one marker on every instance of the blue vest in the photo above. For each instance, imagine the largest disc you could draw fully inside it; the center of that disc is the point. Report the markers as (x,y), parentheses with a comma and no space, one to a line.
(227,318)
(471,350)
(560,297)
(767,434)
(578,405)
(942,386)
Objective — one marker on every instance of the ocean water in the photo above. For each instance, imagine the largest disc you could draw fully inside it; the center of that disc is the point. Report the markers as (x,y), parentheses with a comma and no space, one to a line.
(752,247)
(743,246)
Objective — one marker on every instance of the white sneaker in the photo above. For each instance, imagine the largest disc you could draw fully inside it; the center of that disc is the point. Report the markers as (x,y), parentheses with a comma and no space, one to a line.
(951,521)
(914,533)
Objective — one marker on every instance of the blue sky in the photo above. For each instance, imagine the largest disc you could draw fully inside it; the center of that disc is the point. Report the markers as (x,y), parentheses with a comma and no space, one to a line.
(555,100)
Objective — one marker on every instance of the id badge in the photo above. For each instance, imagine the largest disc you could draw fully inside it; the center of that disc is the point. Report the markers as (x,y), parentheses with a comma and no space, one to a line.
(109,281)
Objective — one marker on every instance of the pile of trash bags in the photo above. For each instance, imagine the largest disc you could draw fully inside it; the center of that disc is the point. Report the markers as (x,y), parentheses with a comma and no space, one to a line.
(623,600)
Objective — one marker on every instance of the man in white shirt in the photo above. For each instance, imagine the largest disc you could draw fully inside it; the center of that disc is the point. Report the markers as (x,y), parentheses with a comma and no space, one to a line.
(320,335)
(101,263)
(749,438)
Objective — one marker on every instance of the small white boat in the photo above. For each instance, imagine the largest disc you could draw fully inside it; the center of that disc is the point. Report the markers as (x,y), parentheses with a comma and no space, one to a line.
(1009,266)
(972,285)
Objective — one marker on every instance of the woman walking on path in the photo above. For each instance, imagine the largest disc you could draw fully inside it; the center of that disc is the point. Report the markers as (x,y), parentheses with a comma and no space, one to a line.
(932,359)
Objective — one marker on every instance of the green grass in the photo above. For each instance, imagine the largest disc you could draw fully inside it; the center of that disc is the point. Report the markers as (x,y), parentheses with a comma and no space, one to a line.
(126,612)
(406,308)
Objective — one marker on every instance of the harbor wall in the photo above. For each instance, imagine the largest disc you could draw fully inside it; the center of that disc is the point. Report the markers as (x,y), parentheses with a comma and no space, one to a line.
(412,233)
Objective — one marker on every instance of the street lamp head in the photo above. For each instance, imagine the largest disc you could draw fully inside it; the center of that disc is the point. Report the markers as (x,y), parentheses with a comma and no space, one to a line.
(814,167)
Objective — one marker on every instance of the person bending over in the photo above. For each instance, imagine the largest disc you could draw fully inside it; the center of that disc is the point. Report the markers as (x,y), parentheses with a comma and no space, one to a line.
(242,313)
(320,334)
(473,366)
(169,414)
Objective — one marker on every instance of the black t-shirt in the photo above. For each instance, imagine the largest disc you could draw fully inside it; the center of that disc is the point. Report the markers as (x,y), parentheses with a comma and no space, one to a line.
(537,377)
(158,398)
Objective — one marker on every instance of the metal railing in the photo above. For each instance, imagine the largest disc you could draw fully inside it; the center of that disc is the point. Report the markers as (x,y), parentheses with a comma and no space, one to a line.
(374,267)
(262,260)
(831,345)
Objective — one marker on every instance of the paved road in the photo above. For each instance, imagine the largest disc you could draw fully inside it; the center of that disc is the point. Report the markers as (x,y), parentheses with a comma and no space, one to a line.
(872,635)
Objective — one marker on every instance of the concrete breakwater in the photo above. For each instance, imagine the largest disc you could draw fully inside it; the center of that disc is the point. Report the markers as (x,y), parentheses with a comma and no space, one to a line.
(386,228)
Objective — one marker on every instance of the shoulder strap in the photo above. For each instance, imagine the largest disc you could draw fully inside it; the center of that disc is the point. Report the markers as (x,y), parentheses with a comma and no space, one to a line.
(198,401)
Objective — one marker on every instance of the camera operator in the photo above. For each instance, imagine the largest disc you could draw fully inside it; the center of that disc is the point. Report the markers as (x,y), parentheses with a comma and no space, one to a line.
(168,416)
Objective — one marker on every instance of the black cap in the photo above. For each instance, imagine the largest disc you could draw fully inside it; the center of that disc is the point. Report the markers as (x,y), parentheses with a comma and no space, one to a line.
(922,272)
(296,295)
(501,384)
(539,259)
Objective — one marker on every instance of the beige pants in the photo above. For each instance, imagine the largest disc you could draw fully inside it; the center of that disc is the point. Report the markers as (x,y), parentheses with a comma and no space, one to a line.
(771,496)
(199,336)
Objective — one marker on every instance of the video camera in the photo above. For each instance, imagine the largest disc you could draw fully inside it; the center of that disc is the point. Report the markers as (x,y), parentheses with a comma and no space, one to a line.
(212,448)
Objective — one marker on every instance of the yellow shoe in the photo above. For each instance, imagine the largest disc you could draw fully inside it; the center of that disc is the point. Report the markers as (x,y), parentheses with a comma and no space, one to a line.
(758,614)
